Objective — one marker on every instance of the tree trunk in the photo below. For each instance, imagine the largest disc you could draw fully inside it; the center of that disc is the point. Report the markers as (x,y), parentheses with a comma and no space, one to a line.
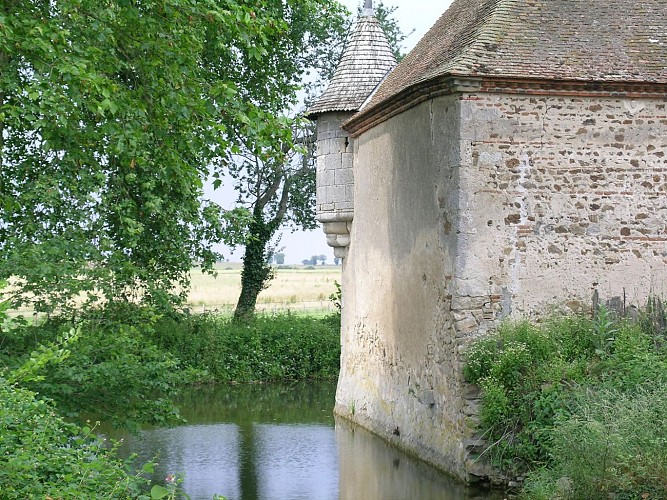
(256,271)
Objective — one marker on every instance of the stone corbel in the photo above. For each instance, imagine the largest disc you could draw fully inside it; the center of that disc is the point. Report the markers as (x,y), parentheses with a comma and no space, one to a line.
(338,236)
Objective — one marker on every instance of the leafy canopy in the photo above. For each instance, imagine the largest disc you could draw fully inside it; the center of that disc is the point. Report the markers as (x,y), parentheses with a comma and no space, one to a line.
(112,112)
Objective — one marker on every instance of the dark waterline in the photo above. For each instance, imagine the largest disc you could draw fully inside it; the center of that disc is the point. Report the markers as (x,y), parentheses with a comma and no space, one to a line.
(266,442)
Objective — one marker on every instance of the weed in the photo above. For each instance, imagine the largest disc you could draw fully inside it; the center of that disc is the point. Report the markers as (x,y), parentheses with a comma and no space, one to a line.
(576,404)
(532,379)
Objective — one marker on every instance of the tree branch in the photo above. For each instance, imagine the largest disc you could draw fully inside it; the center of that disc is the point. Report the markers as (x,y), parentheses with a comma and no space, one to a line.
(271,191)
(282,205)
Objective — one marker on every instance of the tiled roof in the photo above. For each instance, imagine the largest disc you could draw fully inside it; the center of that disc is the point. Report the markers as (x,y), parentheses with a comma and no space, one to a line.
(586,40)
(366,60)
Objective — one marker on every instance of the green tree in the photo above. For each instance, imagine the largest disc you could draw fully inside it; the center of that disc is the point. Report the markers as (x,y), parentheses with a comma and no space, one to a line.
(278,184)
(111,115)
(279,258)
(275,180)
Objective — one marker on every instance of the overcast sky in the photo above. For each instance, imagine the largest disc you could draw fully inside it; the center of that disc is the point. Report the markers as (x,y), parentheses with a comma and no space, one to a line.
(419,15)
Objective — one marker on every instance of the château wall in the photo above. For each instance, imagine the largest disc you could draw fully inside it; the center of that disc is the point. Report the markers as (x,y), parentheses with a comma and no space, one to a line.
(567,195)
(398,375)
(472,207)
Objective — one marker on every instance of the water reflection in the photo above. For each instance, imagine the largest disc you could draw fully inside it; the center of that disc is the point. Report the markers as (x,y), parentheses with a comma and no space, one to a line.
(208,455)
(380,471)
(297,462)
(268,442)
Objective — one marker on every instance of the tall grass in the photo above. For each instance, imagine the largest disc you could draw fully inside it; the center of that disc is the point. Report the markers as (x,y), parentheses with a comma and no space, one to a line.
(292,289)
(576,404)
(612,443)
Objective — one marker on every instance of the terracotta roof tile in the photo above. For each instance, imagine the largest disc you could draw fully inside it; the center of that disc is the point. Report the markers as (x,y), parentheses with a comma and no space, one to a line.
(589,40)
(365,62)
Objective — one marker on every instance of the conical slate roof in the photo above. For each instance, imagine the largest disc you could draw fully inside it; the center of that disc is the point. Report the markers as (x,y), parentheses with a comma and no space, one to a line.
(365,62)
(585,40)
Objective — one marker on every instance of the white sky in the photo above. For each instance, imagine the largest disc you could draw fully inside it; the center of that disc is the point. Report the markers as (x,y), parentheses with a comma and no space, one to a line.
(419,15)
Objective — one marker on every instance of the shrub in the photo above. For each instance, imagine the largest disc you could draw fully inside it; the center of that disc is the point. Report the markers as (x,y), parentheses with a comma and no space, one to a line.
(276,347)
(112,370)
(612,444)
(42,456)
(532,379)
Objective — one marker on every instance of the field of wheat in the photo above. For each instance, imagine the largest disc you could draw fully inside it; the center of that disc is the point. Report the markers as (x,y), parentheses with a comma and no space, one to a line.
(298,288)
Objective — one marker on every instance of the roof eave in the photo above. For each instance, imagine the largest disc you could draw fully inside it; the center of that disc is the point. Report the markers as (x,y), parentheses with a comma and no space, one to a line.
(449,84)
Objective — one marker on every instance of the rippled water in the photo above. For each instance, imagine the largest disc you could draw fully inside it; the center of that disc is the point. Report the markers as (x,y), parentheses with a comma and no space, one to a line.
(265,442)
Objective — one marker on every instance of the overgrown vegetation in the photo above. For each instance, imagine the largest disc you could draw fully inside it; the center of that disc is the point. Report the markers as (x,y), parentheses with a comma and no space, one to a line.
(42,456)
(111,369)
(264,348)
(125,370)
(577,404)
(124,364)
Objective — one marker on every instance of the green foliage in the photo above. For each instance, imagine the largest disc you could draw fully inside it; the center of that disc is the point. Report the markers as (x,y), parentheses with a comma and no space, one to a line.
(279,258)
(256,272)
(284,347)
(612,443)
(272,168)
(337,297)
(33,368)
(112,369)
(111,116)
(42,456)
(576,401)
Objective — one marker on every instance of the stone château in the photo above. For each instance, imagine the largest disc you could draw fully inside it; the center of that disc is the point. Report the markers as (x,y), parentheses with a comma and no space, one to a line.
(514,161)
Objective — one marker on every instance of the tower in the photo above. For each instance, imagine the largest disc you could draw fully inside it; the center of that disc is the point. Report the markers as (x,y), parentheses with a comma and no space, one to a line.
(366,61)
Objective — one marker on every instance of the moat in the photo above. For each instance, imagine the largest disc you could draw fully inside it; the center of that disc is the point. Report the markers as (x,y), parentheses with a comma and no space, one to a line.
(252,442)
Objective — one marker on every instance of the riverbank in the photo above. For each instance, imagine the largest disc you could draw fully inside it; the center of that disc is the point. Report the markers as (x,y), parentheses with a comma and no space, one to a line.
(575,407)
(570,408)
(125,365)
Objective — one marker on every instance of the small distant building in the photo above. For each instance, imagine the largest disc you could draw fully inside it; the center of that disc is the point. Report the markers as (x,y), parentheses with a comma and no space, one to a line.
(514,161)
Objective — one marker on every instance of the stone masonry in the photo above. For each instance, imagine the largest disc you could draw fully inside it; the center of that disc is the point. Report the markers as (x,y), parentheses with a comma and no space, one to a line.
(474,207)
(335,181)
(514,162)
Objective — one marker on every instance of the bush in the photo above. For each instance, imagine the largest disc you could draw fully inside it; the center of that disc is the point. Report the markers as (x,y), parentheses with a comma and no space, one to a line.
(279,347)
(545,391)
(112,369)
(612,443)
(42,456)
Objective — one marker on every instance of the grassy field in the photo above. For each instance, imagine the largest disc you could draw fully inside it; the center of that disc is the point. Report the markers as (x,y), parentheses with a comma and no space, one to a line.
(301,288)
(298,289)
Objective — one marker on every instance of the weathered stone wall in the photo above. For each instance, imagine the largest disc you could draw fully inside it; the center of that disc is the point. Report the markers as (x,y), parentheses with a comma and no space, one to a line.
(566,195)
(399,374)
(561,196)
(335,180)
(474,207)
(335,176)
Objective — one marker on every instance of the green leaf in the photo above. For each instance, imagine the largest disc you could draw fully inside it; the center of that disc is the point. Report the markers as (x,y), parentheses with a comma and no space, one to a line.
(158,492)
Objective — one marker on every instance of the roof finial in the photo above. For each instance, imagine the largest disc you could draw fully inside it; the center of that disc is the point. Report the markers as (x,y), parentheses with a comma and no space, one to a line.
(368,8)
